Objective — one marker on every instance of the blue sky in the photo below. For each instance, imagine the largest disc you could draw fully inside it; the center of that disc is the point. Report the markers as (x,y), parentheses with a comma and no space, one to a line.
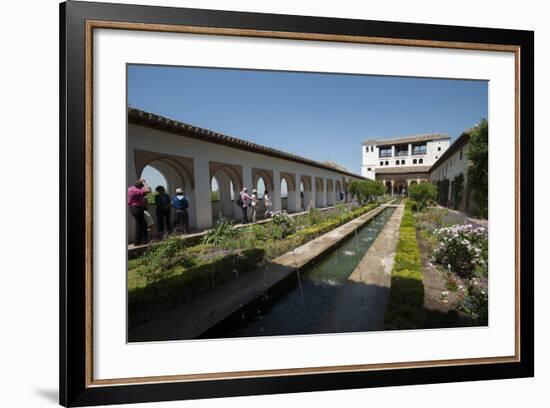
(319,116)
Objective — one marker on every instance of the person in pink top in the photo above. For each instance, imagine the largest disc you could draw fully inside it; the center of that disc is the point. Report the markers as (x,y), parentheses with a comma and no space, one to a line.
(137,204)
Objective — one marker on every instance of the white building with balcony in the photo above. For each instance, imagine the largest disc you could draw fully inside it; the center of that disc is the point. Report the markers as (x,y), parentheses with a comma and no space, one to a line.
(401,162)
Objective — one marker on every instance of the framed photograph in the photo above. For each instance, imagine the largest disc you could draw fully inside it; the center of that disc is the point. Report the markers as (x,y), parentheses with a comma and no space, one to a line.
(256,203)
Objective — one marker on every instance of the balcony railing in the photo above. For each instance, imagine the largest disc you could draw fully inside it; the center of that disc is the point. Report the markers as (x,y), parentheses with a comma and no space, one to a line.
(384,154)
(402,153)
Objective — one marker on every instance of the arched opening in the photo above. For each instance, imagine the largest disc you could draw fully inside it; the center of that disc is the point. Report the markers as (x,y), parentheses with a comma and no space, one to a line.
(223,192)
(307,198)
(171,174)
(320,197)
(388,187)
(154,177)
(260,187)
(399,187)
(338,191)
(214,190)
(284,194)
(330,192)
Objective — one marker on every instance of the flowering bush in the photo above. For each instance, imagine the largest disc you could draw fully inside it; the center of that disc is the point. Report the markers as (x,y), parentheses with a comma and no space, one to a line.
(462,249)
(476,302)
(283,225)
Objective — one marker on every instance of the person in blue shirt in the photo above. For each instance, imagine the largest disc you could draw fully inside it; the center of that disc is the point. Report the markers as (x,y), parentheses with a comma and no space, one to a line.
(181,207)
(163,210)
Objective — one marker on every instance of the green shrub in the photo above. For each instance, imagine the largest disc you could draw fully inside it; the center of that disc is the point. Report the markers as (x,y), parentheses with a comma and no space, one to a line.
(222,231)
(422,193)
(367,190)
(159,259)
(405,309)
(478,171)
(415,206)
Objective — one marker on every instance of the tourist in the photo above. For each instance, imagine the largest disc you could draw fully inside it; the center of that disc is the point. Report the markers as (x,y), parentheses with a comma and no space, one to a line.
(181,207)
(267,204)
(254,204)
(162,207)
(244,202)
(137,204)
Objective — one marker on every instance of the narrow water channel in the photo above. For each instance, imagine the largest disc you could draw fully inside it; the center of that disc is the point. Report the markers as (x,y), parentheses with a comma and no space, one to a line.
(301,309)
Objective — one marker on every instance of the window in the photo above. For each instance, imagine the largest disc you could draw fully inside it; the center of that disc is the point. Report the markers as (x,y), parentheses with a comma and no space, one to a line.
(414,161)
(420,161)
(438,148)
(368,169)
(460,154)
(387,163)
(419,148)
(402,150)
(384,151)
(402,161)
(436,157)
(381,163)
(372,148)
(366,149)
(397,162)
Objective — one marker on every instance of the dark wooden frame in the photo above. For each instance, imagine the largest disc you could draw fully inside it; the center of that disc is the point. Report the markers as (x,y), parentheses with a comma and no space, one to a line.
(77,21)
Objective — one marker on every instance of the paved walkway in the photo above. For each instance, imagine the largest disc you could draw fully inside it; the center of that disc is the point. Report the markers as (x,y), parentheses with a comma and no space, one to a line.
(361,304)
(190,320)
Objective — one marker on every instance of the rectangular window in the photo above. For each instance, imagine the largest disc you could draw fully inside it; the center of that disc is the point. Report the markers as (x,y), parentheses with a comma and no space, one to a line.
(384,151)
(402,150)
(419,148)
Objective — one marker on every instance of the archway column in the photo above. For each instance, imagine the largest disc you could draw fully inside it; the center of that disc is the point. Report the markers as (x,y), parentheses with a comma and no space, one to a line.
(313,193)
(276,198)
(203,211)
(392,183)
(324,194)
(247,178)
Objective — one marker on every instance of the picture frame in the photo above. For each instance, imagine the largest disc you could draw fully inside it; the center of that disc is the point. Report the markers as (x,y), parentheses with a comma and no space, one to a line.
(78,20)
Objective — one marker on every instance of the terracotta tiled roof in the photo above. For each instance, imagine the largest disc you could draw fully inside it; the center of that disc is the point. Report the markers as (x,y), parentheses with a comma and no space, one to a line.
(406,139)
(403,169)
(143,118)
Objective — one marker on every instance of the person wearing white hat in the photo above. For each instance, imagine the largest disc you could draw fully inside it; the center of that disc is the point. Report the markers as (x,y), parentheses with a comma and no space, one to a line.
(181,206)
(254,203)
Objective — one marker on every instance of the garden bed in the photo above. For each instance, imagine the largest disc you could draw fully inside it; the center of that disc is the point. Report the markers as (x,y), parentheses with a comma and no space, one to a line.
(171,273)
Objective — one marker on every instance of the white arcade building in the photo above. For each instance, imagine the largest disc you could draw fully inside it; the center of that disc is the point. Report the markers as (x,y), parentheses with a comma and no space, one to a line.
(402,162)
(190,157)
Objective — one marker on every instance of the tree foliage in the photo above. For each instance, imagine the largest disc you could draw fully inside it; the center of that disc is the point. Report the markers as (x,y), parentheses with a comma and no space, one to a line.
(423,193)
(367,190)
(478,172)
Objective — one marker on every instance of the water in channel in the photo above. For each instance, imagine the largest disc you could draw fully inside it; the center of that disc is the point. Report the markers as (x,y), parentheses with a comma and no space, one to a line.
(302,308)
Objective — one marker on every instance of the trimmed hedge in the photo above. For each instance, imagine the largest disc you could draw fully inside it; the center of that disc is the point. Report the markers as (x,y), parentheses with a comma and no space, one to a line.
(405,308)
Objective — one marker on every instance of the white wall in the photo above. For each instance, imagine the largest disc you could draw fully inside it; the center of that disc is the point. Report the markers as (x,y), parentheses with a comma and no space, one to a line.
(152,140)
(452,166)
(34,326)
(371,159)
